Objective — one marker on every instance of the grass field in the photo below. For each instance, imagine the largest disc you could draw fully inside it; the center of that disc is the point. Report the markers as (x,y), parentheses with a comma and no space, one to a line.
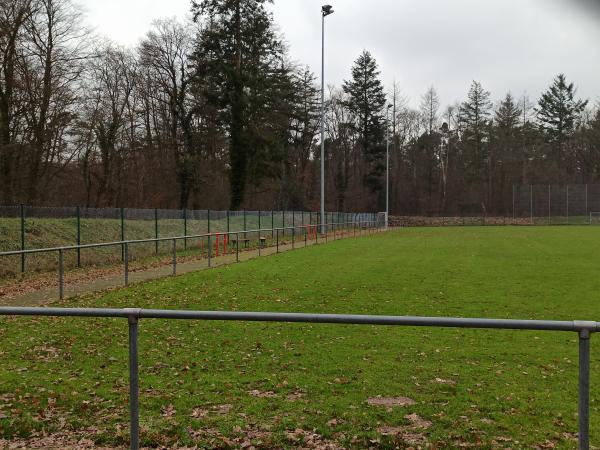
(228,385)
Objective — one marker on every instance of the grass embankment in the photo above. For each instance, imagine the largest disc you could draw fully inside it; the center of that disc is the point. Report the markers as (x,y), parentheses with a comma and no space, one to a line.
(221,385)
(47,233)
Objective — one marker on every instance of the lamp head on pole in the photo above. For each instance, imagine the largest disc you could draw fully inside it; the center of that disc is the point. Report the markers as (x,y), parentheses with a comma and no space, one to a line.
(326,10)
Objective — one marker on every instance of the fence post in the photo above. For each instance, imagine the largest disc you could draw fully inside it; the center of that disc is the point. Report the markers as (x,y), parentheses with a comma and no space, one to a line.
(156,230)
(283,221)
(208,221)
(185,228)
(567,204)
(78,236)
(61,274)
(531,203)
(277,240)
(210,250)
(22,238)
(174,257)
(126,264)
(122,233)
(134,383)
(549,206)
(586,200)
(228,221)
(244,220)
(293,237)
(272,223)
(584,390)
(513,205)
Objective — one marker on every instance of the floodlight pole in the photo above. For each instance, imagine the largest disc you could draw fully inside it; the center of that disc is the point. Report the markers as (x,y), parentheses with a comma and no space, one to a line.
(387,165)
(325,11)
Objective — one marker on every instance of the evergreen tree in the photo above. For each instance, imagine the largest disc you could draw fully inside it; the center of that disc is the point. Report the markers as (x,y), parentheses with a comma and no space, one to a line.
(366,100)
(475,114)
(507,126)
(558,112)
(240,69)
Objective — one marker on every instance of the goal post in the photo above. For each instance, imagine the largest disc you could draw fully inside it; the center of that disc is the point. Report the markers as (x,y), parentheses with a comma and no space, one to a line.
(594,218)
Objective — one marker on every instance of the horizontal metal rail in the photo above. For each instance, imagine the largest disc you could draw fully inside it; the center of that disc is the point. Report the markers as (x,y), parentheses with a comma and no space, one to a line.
(212,239)
(583,328)
(177,238)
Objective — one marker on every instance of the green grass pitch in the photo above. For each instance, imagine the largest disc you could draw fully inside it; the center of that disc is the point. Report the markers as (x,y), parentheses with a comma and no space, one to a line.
(224,385)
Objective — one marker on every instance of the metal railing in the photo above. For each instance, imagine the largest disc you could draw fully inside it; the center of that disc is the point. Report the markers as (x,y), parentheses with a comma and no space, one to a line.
(584,329)
(212,239)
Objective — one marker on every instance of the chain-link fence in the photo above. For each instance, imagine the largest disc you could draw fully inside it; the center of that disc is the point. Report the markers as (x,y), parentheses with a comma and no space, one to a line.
(571,204)
(532,204)
(26,227)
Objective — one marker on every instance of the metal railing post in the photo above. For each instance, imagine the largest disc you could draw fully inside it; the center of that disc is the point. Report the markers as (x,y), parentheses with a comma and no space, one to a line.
(584,390)
(293,237)
(237,247)
(277,240)
(174,257)
(61,274)
(305,236)
(126,264)
(134,384)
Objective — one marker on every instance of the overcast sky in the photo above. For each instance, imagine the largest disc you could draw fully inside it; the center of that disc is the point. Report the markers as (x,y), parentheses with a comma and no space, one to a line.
(516,45)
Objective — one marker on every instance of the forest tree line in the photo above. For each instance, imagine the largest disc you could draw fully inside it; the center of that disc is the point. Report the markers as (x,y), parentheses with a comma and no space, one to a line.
(213,113)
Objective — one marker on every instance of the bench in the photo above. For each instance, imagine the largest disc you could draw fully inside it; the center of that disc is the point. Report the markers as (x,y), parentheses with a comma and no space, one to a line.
(263,241)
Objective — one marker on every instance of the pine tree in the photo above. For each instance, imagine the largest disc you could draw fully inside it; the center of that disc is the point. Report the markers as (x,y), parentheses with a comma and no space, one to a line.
(507,126)
(240,70)
(475,115)
(366,100)
(558,112)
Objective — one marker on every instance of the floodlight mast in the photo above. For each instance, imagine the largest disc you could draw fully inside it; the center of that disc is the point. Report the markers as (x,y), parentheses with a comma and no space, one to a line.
(326,10)
(387,165)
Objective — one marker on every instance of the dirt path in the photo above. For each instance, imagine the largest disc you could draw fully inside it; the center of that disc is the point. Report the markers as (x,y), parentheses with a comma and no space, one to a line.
(44,290)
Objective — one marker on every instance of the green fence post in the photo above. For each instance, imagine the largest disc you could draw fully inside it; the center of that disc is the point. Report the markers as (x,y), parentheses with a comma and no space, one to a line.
(228,221)
(185,228)
(156,230)
(283,221)
(122,233)
(244,222)
(272,223)
(78,236)
(22,237)
(208,219)
(259,223)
